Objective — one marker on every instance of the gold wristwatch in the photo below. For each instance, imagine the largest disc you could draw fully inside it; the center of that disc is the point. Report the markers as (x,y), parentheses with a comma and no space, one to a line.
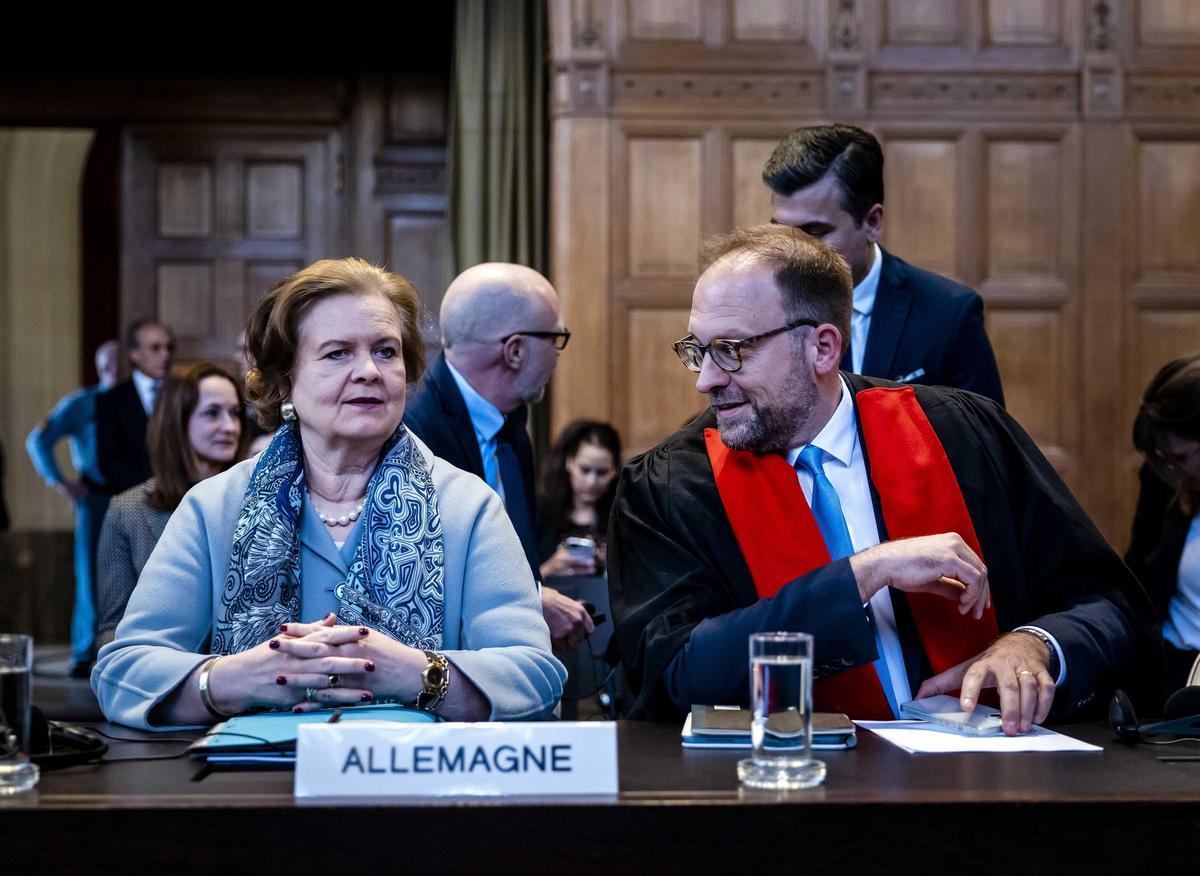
(436,679)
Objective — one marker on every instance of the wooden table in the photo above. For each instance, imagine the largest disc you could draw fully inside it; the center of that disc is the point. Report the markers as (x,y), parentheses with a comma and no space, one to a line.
(880,810)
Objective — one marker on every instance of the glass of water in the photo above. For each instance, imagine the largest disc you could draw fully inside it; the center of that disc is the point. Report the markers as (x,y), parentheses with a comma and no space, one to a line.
(16,670)
(781,729)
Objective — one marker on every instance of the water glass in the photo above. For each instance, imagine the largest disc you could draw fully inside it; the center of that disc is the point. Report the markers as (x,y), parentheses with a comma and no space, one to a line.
(781,728)
(16,671)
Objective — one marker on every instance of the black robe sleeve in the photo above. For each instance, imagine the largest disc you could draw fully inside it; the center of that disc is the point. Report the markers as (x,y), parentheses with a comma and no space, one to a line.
(1047,563)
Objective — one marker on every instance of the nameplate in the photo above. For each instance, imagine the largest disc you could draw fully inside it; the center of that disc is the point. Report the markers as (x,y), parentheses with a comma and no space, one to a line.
(381,759)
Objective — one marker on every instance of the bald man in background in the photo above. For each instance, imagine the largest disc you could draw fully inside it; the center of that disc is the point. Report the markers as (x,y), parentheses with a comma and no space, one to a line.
(74,418)
(501,336)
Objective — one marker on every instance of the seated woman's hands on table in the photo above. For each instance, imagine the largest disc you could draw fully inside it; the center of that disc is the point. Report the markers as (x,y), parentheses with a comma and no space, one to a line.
(279,672)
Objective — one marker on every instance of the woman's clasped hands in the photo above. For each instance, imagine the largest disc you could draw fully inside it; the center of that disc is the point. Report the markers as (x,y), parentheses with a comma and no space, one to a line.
(315,665)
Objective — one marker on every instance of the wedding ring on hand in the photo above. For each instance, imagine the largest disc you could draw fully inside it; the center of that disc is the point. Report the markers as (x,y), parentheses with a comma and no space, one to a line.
(334,681)
(310,694)
(1024,672)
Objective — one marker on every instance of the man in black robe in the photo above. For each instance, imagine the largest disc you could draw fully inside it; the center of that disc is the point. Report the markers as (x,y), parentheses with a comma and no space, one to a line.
(768,319)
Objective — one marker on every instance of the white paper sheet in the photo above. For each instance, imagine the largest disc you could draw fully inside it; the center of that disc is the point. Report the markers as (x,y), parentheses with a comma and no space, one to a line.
(919,737)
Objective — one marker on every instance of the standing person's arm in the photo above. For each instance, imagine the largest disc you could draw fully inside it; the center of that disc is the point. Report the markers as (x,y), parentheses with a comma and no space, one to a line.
(67,418)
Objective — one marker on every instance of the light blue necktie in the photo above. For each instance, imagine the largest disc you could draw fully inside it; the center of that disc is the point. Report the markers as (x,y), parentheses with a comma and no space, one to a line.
(827,510)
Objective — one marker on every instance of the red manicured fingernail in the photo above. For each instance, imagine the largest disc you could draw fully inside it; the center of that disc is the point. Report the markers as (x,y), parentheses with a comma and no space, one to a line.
(362,631)
(370,667)
(273,644)
(296,710)
(279,679)
(366,698)
(283,628)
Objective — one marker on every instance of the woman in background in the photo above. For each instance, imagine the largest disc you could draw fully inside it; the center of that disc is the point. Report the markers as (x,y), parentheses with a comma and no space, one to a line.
(198,429)
(578,485)
(1164,550)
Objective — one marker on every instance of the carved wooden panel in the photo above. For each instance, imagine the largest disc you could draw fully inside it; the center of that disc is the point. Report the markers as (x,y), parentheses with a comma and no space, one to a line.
(665,19)
(274,199)
(1168,22)
(261,277)
(185,199)
(751,197)
(270,208)
(664,190)
(1167,199)
(661,392)
(184,298)
(922,22)
(416,244)
(1023,189)
(921,216)
(416,107)
(1027,343)
(1024,22)
(770,20)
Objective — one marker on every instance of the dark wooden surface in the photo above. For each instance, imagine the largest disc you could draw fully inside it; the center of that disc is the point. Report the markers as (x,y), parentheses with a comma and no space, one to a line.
(677,810)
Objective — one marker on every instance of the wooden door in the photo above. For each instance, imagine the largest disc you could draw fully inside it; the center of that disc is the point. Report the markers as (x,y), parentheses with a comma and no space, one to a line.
(213,217)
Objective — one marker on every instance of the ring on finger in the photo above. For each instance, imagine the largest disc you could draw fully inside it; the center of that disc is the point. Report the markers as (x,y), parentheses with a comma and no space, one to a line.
(1024,672)
(334,680)
(310,694)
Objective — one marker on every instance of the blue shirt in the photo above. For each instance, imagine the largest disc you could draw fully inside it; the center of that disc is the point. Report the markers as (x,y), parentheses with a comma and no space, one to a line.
(487,421)
(74,418)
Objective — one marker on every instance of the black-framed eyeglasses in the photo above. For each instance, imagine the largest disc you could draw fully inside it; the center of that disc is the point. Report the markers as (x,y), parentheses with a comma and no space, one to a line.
(727,354)
(560,338)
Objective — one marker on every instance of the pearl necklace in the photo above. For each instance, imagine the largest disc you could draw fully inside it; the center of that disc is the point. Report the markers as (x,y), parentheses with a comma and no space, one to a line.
(343,520)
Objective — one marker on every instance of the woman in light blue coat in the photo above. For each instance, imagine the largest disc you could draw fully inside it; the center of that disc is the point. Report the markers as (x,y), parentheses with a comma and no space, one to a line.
(346,564)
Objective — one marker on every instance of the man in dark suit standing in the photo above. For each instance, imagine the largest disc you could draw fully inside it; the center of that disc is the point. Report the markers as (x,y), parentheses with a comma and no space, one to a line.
(908,325)
(123,412)
(501,334)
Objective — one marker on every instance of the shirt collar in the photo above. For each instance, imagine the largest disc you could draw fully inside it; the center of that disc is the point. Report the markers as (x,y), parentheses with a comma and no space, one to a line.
(864,292)
(485,416)
(839,435)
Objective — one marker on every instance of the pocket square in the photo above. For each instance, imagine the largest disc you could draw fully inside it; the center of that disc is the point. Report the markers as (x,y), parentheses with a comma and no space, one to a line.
(911,376)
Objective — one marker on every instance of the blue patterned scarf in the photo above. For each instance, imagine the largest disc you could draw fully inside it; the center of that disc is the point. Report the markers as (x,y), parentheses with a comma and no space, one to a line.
(396,581)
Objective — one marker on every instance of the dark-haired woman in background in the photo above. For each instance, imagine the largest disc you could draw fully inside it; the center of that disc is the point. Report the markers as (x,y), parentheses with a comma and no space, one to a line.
(578,485)
(198,429)
(1164,551)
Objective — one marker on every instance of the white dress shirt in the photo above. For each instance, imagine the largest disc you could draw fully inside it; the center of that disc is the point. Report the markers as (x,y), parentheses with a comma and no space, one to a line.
(864,304)
(147,389)
(487,421)
(847,470)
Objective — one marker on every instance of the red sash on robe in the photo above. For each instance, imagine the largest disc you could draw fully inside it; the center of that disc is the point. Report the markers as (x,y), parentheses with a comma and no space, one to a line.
(919,495)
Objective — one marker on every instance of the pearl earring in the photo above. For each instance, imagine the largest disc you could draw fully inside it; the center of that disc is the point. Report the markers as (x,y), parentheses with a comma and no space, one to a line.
(287,411)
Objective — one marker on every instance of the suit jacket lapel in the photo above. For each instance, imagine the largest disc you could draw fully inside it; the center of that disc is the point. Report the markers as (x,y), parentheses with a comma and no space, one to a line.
(451,400)
(314,536)
(892,302)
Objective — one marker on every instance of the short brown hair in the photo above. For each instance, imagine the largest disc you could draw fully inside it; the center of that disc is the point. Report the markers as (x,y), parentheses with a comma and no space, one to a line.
(1171,405)
(814,281)
(273,329)
(172,459)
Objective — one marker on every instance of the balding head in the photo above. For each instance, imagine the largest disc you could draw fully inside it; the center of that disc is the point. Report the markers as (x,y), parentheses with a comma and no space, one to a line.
(108,360)
(489,301)
(498,322)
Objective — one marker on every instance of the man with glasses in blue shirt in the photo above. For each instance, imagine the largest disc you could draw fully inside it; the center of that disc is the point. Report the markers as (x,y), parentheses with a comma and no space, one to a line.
(917,532)
(501,336)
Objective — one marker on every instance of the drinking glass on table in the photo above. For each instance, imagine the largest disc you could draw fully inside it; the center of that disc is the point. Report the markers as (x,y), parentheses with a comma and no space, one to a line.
(781,700)
(16,670)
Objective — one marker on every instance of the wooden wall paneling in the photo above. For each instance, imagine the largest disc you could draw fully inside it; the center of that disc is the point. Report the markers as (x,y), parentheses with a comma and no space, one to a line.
(923,217)
(185,199)
(1031,189)
(1161,35)
(663,393)
(411,237)
(751,199)
(582,226)
(771,21)
(273,202)
(665,19)
(1023,22)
